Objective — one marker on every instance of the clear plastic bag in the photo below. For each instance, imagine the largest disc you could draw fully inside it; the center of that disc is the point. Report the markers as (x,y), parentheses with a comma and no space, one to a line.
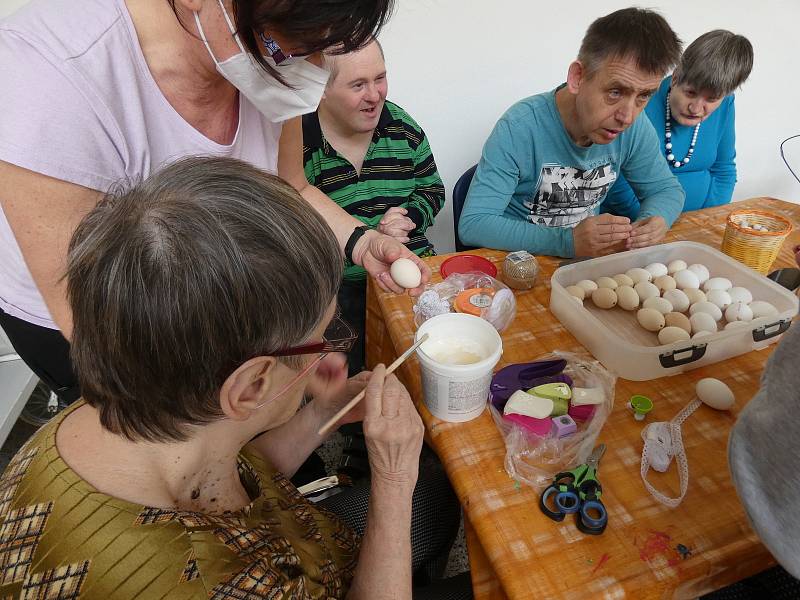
(535,459)
(475,293)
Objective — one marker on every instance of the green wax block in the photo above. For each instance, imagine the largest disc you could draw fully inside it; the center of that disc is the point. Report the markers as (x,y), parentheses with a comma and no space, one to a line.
(554,391)
(560,407)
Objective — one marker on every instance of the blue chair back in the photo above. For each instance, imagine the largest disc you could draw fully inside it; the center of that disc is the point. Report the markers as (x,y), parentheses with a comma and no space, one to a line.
(459,195)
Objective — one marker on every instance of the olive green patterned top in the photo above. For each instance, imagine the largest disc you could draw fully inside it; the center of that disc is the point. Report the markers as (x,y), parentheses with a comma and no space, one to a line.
(60,538)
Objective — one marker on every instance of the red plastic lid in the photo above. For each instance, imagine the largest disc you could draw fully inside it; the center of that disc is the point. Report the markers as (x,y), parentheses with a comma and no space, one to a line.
(467,263)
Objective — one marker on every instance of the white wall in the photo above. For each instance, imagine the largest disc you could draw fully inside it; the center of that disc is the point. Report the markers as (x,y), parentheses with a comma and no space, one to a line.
(457,65)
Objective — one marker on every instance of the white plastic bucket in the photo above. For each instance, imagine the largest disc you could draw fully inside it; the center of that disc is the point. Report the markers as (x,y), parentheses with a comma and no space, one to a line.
(457,392)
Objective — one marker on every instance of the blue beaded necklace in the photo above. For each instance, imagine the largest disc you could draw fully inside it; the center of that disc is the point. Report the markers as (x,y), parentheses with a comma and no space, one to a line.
(677,163)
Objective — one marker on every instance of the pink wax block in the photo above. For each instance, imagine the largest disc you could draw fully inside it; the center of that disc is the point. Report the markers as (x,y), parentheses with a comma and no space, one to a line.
(581,413)
(540,427)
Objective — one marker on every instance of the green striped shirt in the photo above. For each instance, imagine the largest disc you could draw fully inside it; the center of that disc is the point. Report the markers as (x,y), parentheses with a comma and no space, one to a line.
(398,170)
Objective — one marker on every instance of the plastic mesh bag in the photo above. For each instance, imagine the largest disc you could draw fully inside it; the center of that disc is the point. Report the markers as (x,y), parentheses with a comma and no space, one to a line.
(473,293)
(533,458)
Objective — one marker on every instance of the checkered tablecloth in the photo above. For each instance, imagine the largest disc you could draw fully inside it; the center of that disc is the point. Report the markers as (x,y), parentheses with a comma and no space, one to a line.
(517,552)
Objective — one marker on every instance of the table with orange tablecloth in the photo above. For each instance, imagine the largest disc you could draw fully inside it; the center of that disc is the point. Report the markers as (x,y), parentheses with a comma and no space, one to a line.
(517,552)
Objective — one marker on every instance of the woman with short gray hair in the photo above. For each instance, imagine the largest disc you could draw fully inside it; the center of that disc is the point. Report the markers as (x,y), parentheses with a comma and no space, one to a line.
(204,310)
(693,113)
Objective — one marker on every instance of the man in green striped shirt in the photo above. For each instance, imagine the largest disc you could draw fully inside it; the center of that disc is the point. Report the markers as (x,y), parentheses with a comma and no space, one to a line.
(371,158)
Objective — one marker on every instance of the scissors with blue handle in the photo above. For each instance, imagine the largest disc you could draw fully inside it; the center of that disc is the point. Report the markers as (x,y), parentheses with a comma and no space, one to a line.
(578,491)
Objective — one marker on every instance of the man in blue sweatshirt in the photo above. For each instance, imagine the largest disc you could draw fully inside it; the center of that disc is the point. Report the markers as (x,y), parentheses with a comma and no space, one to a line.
(551,158)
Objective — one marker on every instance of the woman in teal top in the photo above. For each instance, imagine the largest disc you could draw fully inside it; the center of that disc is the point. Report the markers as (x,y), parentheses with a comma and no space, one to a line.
(693,114)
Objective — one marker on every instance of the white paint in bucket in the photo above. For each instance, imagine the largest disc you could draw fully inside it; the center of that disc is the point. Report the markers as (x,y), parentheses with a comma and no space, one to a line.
(457,363)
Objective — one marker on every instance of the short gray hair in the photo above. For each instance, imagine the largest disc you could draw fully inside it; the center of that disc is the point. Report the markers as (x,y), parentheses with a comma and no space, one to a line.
(718,61)
(179,280)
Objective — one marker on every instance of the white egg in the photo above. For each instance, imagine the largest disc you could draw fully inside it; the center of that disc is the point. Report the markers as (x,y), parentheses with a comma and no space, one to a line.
(588,285)
(576,291)
(638,275)
(702,321)
(702,333)
(719,297)
(657,269)
(738,311)
(717,283)
(761,308)
(701,271)
(740,294)
(627,298)
(687,280)
(679,300)
(737,324)
(577,300)
(670,335)
(660,304)
(623,279)
(695,295)
(706,307)
(646,290)
(650,319)
(676,319)
(604,298)
(606,282)
(675,266)
(714,393)
(405,273)
(665,283)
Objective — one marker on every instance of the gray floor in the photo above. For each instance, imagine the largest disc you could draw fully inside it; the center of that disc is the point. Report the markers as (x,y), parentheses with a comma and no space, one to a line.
(330,452)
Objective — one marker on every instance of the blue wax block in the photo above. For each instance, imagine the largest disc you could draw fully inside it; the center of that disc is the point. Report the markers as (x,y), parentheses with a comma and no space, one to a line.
(563,426)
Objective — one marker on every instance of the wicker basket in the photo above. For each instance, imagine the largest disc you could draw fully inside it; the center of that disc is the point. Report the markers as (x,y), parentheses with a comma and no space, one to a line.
(756,249)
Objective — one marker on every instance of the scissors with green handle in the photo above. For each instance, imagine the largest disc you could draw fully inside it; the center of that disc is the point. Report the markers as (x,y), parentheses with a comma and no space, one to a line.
(578,491)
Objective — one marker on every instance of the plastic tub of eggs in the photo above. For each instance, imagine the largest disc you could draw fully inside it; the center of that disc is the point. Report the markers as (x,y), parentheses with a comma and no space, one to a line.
(675,307)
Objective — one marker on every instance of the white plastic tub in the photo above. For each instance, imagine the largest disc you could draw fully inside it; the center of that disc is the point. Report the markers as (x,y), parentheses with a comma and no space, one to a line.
(616,339)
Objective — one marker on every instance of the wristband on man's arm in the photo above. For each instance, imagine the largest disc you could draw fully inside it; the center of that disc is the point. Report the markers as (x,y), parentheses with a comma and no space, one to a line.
(352,240)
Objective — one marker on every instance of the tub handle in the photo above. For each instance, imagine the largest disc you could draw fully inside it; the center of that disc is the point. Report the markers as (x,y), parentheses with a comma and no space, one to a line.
(672,359)
(766,332)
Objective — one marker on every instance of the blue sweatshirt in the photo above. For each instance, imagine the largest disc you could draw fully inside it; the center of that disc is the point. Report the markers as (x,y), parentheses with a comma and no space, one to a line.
(709,178)
(534,184)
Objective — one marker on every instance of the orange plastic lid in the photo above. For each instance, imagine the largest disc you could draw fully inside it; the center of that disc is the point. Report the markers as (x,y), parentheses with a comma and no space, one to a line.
(473,300)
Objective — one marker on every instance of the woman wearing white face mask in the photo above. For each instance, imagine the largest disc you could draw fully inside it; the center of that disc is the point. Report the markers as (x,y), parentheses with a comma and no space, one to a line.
(99,91)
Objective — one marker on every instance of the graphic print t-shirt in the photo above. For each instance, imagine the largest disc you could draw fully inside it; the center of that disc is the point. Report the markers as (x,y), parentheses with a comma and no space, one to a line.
(567,195)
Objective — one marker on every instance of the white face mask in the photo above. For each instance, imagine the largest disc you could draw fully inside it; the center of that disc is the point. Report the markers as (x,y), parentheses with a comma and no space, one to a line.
(274,100)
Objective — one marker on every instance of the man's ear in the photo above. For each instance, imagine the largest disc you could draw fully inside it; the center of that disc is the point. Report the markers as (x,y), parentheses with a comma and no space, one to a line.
(247,387)
(576,75)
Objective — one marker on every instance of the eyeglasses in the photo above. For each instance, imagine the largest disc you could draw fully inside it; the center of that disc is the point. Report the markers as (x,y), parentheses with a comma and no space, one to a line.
(275,52)
(339,336)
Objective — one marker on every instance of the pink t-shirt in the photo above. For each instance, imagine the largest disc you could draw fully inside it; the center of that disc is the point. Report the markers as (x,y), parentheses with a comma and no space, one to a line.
(78,103)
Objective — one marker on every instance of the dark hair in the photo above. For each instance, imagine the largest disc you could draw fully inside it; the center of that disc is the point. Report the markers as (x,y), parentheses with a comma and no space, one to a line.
(179,280)
(718,61)
(314,25)
(637,33)
(332,62)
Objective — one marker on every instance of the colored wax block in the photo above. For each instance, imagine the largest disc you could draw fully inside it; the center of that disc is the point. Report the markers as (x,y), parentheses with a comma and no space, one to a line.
(554,391)
(581,413)
(522,403)
(540,427)
(560,407)
(584,396)
(563,426)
